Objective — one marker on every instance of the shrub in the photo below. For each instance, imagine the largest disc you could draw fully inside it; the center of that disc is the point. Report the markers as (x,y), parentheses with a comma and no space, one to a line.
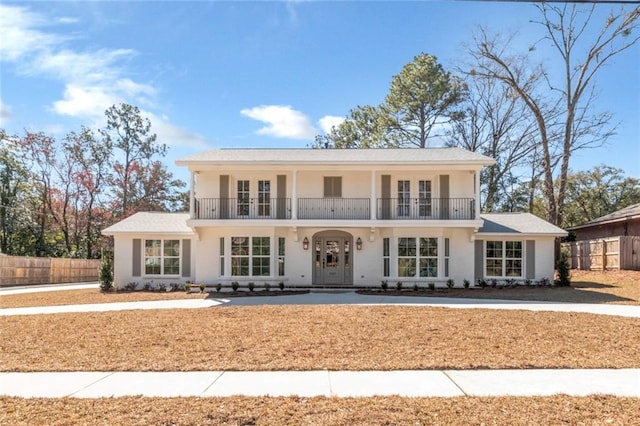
(146,287)
(432,286)
(466,283)
(162,287)
(399,286)
(187,286)
(251,286)
(106,274)
(415,286)
(267,286)
(481,282)
(201,287)
(173,287)
(511,283)
(218,287)
(281,285)
(235,285)
(563,270)
(528,282)
(131,286)
(494,282)
(451,283)
(384,284)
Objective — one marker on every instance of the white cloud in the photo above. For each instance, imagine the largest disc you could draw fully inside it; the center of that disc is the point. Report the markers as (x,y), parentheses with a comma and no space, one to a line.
(5,113)
(93,80)
(327,122)
(282,121)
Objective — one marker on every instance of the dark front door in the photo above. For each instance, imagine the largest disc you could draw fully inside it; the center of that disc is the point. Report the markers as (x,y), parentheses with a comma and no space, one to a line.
(332,260)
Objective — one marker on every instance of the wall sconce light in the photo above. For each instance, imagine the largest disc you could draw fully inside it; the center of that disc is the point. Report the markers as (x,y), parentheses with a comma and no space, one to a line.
(305,243)
(359,243)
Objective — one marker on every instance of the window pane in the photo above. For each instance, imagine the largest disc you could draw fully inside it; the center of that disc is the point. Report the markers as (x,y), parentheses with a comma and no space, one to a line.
(385,246)
(406,246)
(240,266)
(494,249)
(260,266)
(281,246)
(494,268)
(513,268)
(428,247)
(239,246)
(152,247)
(152,266)
(172,248)
(514,249)
(385,266)
(406,267)
(429,267)
(171,266)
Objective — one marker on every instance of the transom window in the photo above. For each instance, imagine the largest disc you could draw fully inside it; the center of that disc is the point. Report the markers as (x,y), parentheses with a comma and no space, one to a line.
(503,259)
(162,257)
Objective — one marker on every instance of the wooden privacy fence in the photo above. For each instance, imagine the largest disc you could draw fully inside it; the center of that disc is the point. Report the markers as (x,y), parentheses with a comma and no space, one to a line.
(18,270)
(606,253)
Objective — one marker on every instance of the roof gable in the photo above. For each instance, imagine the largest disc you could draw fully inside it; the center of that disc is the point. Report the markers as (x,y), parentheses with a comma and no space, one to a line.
(518,223)
(152,223)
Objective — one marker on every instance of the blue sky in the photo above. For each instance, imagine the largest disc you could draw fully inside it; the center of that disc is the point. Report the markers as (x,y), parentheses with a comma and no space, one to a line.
(255,74)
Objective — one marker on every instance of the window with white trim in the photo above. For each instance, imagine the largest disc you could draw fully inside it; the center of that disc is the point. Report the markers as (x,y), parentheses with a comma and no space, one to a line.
(222,256)
(418,257)
(250,256)
(503,258)
(162,257)
(281,256)
(243,197)
(385,257)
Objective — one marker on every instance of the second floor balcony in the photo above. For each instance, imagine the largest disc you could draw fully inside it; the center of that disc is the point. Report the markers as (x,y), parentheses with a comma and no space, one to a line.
(265,208)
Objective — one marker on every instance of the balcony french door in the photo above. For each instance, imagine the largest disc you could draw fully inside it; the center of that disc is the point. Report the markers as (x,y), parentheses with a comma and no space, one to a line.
(252,207)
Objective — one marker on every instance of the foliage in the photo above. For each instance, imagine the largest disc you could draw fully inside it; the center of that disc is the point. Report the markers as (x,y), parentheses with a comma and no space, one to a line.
(421,96)
(451,283)
(251,286)
(106,274)
(187,287)
(267,286)
(415,287)
(202,287)
(235,285)
(466,283)
(399,286)
(281,285)
(563,270)
(384,284)
(432,286)
(561,105)
(218,287)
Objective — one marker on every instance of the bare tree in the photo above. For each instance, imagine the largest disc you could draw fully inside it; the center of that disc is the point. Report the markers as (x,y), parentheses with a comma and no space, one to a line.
(564,117)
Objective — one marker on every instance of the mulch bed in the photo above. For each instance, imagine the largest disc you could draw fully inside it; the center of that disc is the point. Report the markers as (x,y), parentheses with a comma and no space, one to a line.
(556,410)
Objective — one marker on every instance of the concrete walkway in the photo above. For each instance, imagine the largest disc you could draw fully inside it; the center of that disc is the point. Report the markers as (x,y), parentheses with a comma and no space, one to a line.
(448,383)
(332,298)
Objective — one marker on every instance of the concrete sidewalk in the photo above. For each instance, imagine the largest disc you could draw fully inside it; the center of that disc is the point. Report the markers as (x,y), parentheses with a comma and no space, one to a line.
(447,383)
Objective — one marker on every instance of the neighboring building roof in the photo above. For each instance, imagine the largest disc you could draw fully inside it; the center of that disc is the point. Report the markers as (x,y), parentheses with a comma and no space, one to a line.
(518,223)
(627,213)
(337,156)
(151,223)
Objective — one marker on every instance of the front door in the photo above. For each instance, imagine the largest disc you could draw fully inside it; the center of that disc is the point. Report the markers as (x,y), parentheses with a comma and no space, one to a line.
(332,260)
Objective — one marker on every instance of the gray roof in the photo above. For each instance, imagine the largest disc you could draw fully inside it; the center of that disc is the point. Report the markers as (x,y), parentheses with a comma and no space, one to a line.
(627,213)
(337,156)
(518,223)
(151,223)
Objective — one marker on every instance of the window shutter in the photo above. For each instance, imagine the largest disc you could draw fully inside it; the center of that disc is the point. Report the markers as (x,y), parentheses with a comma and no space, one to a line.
(136,260)
(479,259)
(224,196)
(531,259)
(186,258)
(444,197)
(281,204)
(333,186)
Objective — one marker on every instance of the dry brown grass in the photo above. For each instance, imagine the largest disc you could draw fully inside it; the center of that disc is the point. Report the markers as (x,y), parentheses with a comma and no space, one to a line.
(91,295)
(556,410)
(316,337)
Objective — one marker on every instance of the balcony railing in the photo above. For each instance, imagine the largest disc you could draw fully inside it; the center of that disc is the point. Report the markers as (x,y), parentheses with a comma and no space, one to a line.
(243,208)
(425,209)
(334,208)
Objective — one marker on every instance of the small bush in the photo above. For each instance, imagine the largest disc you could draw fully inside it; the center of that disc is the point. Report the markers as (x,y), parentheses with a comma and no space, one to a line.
(466,283)
(481,282)
(187,286)
(201,287)
(267,286)
(432,286)
(528,282)
(511,283)
(235,285)
(281,285)
(106,274)
(218,287)
(146,287)
(494,282)
(384,284)
(563,270)
(399,286)
(451,283)
(251,286)
(131,286)
(415,287)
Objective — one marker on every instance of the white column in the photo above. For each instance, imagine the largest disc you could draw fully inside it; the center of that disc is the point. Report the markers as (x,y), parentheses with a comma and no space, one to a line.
(373,206)
(192,199)
(477,191)
(294,196)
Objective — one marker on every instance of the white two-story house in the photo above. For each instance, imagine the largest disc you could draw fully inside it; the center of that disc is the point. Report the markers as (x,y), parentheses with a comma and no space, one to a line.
(333,217)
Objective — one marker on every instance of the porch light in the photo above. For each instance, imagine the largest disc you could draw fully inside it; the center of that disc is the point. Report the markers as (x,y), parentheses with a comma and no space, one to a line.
(359,243)
(305,243)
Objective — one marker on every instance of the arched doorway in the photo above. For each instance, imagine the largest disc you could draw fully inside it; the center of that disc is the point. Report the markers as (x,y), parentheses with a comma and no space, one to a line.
(332,258)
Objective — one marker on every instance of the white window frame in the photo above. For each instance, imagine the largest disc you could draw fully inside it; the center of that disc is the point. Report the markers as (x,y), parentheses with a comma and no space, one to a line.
(418,257)
(250,256)
(504,259)
(162,256)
